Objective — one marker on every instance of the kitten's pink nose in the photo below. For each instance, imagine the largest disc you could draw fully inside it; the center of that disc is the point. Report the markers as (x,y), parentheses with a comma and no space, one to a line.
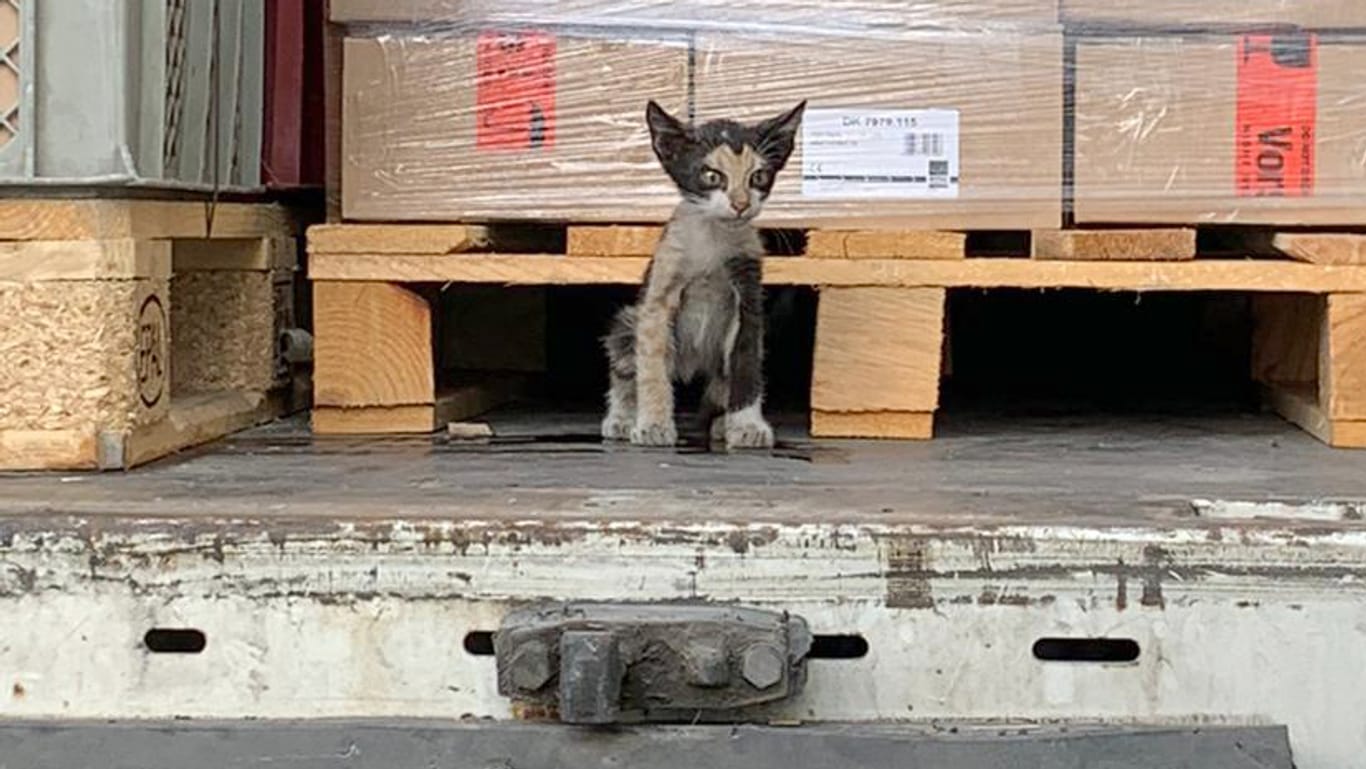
(739,206)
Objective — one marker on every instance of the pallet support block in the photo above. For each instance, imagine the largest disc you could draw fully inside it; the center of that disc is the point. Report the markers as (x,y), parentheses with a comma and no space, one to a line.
(1309,353)
(877,362)
(373,359)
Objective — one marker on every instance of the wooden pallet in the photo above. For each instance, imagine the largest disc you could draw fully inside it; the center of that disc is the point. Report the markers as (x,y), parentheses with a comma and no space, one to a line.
(137,328)
(879,325)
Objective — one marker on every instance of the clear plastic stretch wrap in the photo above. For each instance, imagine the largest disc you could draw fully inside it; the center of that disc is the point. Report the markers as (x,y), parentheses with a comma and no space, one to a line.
(946,114)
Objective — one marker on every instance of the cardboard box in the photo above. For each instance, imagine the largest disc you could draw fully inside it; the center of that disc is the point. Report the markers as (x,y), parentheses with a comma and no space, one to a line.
(495,126)
(1212,129)
(891,122)
(1309,14)
(714,14)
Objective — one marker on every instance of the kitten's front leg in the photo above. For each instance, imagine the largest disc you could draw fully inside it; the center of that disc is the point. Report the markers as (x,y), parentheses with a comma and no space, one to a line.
(745,426)
(654,381)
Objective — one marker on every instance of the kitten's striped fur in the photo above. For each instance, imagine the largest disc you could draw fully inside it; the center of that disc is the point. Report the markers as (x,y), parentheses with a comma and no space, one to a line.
(700,310)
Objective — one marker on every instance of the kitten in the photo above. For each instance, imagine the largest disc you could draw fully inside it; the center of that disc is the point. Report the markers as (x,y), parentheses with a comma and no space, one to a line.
(700,310)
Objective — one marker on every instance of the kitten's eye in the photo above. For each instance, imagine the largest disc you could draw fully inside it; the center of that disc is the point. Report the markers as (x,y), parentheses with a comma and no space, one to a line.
(713,178)
(760,178)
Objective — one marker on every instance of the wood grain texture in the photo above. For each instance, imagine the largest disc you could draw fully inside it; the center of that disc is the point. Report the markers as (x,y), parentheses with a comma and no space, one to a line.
(886,244)
(1114,245)
(48,450)
(1285,338)
(612,240)
(890,425)
(372,345)
(878,349)
(1342,362)
(1322,248)
(30,261)
(549,269)
(1300,406)
(192,420)
(98,219)
(395,239)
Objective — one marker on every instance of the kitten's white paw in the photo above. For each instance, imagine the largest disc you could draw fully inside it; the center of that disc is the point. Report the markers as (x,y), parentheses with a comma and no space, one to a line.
(654,434)
(616,428)
(718,429)
(747,429)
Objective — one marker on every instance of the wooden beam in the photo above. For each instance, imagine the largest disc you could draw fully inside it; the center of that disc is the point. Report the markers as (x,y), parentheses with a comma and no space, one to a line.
(1342,358)
(1114,245)
(1322,248)
(48,450)
(395,239)
(253,254)
(1285,338)
(100,219)
(1198,275)
(372,346)
(886,244)
(1299,405)
(454,405)
(891,425)
(192,420)
(613,240)
(32,261)
(878,355)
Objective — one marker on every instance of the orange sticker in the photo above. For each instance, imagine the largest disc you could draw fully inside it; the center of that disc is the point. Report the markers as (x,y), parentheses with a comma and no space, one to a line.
(515,91)
(1278,94)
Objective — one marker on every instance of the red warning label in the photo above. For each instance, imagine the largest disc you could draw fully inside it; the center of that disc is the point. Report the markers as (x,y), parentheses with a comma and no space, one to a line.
(1278,93)
(515,91)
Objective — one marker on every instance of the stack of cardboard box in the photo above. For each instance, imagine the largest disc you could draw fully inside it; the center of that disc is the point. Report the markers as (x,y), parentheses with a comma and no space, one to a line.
(938,114)
(1219,111)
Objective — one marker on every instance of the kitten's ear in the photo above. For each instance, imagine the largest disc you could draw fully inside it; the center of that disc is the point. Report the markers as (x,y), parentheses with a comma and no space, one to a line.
(667,133)
(778,135)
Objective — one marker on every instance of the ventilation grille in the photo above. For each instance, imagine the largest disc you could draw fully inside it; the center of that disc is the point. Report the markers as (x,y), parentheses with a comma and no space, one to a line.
(11,74)
(175,82)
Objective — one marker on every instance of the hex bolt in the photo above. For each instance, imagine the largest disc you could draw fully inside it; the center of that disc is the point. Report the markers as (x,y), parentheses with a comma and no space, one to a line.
(763,666)
(530,666)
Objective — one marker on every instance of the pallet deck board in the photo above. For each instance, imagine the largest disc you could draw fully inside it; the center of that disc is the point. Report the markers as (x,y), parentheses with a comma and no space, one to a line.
(553,269)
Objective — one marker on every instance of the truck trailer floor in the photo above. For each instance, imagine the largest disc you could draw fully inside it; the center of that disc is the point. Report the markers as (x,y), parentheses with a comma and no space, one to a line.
(1154,572)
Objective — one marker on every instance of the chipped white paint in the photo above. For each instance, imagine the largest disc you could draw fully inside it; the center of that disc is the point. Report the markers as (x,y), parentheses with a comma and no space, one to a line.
(1236,624)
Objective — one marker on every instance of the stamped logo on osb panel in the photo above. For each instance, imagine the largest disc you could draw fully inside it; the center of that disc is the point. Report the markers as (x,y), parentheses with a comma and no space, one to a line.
(515,91)
(1277,116)
(151,351)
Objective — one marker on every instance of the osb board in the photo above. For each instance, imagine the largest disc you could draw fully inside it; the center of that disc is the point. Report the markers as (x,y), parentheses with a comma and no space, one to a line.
(224,330)
(548,269)
(118,258)
(48,450)
(81,354)
(95,219)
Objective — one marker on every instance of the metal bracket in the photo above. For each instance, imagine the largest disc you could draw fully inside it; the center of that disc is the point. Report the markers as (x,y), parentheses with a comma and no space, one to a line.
(613,663)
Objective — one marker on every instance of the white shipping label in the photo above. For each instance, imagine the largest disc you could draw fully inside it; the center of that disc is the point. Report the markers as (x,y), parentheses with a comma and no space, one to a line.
(887,154)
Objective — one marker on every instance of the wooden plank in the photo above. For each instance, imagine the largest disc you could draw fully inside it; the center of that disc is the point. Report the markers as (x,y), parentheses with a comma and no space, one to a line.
(374,420)
(886,244)
(614,240)
(48,450)
(118,259)
(1299,405)
(101,219)
(878,349)
(372,345)
(890,425)
(1114,245)
(251,254)
(1322,248)
(1342,361)
(543,269)
(1285,338)
(395,239)
(192,421)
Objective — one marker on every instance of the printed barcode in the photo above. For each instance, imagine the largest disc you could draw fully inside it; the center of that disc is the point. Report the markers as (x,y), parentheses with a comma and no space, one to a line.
(925,144)
(939,174)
